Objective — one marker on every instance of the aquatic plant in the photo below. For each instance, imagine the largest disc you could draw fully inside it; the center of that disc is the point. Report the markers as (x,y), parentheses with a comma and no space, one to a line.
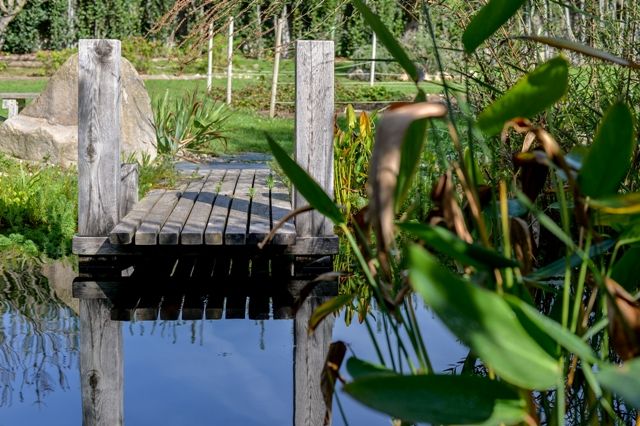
(542,287)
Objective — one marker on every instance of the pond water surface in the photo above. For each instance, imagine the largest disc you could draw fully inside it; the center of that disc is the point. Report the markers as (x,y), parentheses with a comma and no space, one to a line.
(202,372)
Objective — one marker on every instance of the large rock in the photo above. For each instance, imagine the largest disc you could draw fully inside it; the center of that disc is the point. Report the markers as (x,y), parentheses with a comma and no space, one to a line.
(48,127)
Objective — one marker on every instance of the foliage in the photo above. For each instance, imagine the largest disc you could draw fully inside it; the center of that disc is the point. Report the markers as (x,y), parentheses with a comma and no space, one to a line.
(52,60)
(532,328)
(189,126)
(42,24)
(37,208)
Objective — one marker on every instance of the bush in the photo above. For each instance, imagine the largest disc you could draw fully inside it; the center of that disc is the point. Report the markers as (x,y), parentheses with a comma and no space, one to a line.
(38,205)
(52,60)
(190,126)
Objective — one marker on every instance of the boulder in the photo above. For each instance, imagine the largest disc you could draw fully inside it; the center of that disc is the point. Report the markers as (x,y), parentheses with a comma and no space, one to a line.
(48,127)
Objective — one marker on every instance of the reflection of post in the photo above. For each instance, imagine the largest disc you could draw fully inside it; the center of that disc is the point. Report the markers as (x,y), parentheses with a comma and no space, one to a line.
(101,369)
(309,353)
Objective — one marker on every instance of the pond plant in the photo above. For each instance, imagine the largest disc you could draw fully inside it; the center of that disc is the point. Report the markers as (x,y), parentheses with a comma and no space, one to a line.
(534,268)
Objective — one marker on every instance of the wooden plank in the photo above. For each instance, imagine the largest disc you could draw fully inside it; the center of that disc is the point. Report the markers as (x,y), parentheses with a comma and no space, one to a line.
(260,220)
(98,136)
(170,232)
(125,230)
(128,188)
(214,232)
(314,127)
(101,365)
(147,232)
(280,207)
(193,231)
(235,232)
(314,246)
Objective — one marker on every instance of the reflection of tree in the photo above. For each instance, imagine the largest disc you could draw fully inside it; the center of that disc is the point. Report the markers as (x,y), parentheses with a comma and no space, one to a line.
(38,335)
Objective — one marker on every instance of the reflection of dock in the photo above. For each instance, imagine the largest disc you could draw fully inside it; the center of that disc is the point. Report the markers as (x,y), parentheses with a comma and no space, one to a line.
(192,252)
(194,288)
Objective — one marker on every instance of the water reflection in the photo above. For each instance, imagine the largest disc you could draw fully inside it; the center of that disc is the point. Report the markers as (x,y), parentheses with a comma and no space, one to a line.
(181,371)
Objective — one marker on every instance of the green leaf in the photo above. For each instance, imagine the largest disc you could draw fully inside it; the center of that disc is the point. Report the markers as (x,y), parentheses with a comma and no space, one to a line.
(558,267)
(617,204)
(562,43)
(623,381)
(532,94)
(448,243)
(487,21)
(329,307)
(387,39)
(305,184)
(358,368)
(440,399)
(566,339)
(609,158)
(484,322)
(627,270)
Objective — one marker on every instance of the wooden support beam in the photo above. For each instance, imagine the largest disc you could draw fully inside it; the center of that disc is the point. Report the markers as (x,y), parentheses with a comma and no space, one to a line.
(314,126)
(98,136)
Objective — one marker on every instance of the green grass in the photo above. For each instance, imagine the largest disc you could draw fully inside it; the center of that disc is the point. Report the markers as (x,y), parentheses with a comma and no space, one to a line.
(246,130)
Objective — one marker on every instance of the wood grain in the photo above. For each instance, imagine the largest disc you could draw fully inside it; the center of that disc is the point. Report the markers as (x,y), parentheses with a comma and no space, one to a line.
(147,232)
(101,365)
(125,230)
(310,352)
(193,231)
(280,207)
(314,126)
(128,188)
(98,136)
(235,232)
(170,232)
(214,231)
(260,220)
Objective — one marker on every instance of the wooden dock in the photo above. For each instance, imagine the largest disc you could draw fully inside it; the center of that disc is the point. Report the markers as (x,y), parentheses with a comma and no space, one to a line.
(227,211)
(192,252)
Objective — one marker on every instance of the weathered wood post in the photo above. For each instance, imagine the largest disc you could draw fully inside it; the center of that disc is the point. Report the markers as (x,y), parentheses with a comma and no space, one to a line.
(101,369)
(314,152)
(314,127)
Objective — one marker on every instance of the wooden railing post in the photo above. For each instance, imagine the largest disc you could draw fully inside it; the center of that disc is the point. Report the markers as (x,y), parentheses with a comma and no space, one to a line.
(98,136)
(314,126)
(99,174)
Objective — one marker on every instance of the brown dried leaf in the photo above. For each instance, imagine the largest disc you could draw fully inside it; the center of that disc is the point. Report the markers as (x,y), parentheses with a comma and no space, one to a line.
(624,320)
(522,243)
(385,164)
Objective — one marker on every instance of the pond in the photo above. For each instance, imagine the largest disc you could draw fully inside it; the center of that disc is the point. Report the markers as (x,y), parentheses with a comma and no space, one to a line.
(176,372)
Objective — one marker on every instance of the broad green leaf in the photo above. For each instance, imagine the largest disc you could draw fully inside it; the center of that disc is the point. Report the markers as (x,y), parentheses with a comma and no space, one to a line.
(623,381)
(448,243)
(329,307)
(305,184)
(487,21)
(562,43)
(609,157)
(440,399)
(358,368)
(626,271)
(566,339)
(557,268)
(484,322)
(387,39)
(532,94)
(618,204)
